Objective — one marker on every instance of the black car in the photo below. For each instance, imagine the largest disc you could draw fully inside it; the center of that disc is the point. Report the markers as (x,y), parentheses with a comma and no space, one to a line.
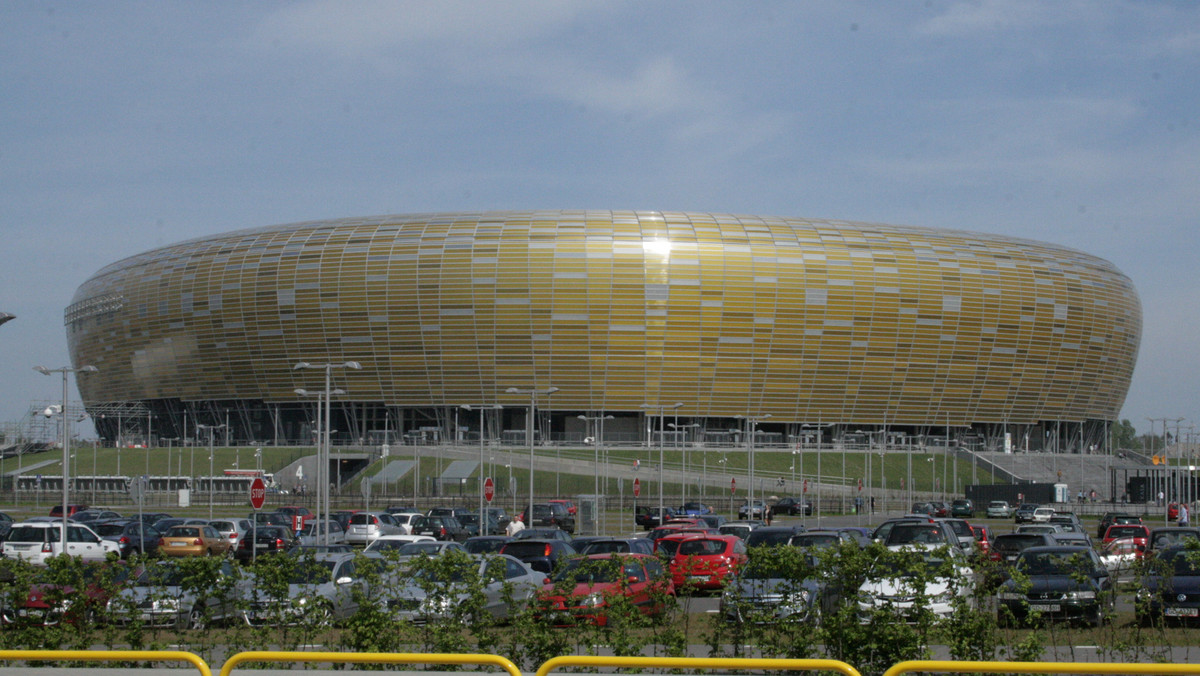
(131,535)
(962,508)
(1068,583)
(552,514)
(772,536)
(792,507)
(651,517)
(445,528)
(1024,513)
(610,545)
(1007,547)
(1172,536)
(1171,587)
(471,523)
(543,534)
(486,544)
(267,540)
(1116,518)
(541,555)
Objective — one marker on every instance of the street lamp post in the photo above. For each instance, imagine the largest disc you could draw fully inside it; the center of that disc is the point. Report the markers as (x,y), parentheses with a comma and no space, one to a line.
(212,431)
(751,427)
(323,454)
(533,393)
(481,408)
(661,453)
(66,437)
(598,422)
(676,427)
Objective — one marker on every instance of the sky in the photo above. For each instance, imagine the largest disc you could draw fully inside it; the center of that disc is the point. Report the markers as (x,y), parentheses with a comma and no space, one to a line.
(125,126)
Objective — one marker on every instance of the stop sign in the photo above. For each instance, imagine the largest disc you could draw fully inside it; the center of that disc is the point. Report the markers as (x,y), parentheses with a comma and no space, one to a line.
(732,486)
(489,489)
(258,492)
(637,487)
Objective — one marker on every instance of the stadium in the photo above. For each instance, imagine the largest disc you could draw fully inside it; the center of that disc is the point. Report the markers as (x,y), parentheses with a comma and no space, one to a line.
(694,326)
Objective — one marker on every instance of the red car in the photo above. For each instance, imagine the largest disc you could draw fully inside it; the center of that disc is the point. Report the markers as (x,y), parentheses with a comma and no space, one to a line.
(1140,534)
(982,539)
(50,603)
(1173,511)
(704,561)
(587,587)
(571,508)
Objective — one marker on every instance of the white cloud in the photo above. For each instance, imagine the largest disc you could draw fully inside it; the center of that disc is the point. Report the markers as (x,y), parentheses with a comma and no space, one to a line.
(977,17)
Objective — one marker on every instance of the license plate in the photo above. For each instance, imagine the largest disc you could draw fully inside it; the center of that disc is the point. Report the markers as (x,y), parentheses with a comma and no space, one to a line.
(1182,612)
(698,578)
(1046,607)
(178,544)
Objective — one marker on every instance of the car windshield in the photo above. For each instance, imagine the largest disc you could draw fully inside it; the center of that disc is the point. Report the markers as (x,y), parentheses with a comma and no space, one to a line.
(590,571)
(701,548)
(312,572)
(103,529)
(918,533)
(33,534)
(1172,538)
(1126,531)
(1052,563)
(415,548)
(818,540)
(605,547)
(1184,562)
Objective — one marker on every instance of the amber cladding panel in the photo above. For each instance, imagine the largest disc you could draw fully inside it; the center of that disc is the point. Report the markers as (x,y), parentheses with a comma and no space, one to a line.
(806,320)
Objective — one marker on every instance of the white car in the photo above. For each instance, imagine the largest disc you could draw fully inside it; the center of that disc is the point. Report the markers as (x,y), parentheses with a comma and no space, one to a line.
(37,541)
(366,527)
(405,520)
(1043,514)
(384,543)
(897,591)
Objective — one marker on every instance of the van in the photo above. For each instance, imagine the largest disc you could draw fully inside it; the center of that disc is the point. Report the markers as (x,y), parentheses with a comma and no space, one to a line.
(38,541)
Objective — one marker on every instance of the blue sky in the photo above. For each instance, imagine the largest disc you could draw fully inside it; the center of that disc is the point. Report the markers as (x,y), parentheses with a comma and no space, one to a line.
(127,125)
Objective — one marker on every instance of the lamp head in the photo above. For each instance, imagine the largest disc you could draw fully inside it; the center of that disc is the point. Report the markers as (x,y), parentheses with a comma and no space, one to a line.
(353,365)
(42,370)
(301,365)
(551,390)
(512,390)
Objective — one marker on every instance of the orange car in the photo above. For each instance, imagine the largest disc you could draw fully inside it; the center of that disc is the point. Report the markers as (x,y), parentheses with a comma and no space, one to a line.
(193,540)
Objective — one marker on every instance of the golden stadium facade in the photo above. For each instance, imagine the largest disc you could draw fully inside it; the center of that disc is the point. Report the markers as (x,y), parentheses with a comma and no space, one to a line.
(625,312)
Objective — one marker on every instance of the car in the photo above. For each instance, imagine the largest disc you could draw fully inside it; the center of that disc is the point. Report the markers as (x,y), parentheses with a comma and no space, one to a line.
(1008,546)
(703,562)
(486,544)
(366,526)
(962,508)
(881,532)
(610,545)
(1120,557)
(266,540)
(1057,582)
(695,509)
(37,542)
(983,539)
(999,509)
(939,576)
(51,602)
(757,510)
(1172,511)
(771,589)
(1170,536)
(741,529)
(193,540)
(270,519)
(542,555)
(926,508)
(772,536)
(165,524)
(714,520)
(1024,513)
(544,534)
(941,509)
(931,532)
(1048,528)
(89,516)
(650,518)
(966,536)
(389,543)
(402,519)
(471,523)
(160,596)
(322,589)
(1139,533)
(314,531)
(232,529)
(1110,518)
(428,548)
(439,591)
(792,507)
(1170,589)
(296,512)
(571,508)
(441,528)
(551,514)
(57,510)
(586,589)
(133,536)
(1042,515)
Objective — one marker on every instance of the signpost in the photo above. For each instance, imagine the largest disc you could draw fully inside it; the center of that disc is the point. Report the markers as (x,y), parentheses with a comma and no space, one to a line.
(489,489)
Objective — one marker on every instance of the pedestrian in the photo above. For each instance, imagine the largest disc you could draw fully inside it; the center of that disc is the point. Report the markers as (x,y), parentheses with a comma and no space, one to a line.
(515,526)
(1183,514)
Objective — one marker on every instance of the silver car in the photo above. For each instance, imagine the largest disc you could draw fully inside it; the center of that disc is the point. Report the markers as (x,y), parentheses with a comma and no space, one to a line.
(365,527)
(438,591)
(232,529)
(321,590)
(159,597)
(314,534)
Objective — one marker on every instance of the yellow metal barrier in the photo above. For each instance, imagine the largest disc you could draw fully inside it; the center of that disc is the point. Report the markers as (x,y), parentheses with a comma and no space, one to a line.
(950,666)
(368,658)
(710,663)
(108,656)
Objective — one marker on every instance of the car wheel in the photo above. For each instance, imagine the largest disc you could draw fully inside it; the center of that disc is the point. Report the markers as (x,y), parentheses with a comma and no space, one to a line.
(193,619)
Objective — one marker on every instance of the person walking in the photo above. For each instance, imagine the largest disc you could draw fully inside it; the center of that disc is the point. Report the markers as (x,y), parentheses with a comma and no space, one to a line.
(1183,514)
(515,526)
